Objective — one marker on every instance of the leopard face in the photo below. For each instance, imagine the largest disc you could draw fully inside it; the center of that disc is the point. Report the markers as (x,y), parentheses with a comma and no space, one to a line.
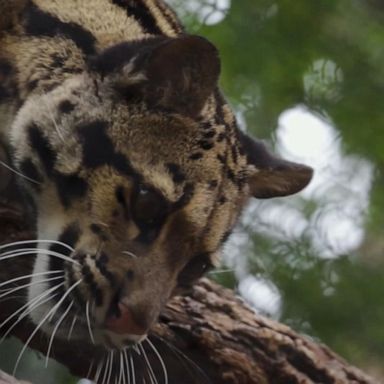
(138,174)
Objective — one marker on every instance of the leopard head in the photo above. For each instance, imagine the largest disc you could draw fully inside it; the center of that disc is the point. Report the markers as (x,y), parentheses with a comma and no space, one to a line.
(138,173)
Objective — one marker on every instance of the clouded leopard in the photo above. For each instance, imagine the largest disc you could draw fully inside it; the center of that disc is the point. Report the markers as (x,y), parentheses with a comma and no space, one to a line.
(130,155)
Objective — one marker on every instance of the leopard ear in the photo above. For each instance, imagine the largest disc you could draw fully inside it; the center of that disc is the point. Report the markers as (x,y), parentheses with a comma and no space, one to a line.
(271,176)
(182,73)
(173,73)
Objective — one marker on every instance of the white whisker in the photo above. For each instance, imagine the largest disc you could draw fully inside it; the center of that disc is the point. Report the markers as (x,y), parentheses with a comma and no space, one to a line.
(132,368)
(98,371)
(28,308)
(106,368)
(121,374)
(160,359)
(18,173)
(54,309)
(150,370)
(42,252)
(55,330)
(72,327)
(20,287)
(129,371)
(89,323)
(218,271)
(32,250)
(36,241)
(130,254)
(90,369)
(110,368)
(29,276)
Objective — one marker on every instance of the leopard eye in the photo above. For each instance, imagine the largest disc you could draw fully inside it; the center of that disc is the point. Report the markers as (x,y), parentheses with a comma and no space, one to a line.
(149,208)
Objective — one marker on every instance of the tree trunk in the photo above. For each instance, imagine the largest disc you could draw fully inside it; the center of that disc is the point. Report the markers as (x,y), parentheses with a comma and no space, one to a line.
(210,336)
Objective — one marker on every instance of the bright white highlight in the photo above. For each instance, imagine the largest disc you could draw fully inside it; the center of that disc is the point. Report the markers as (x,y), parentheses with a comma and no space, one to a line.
(261,294)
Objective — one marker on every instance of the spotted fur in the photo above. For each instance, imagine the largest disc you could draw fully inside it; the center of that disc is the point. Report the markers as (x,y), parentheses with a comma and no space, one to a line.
(131,155)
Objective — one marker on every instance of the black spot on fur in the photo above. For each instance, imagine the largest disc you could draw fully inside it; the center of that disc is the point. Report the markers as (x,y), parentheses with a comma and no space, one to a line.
(206,125)
(66,107)
(219,115)
(186,197)
(221,158)
(212,184)
(222,200)
(96,229)
(5,68)
(98,149)
(206,145)
(70,236)
(242,178)
(171,17)
(5,72)
(90,281)
(101,264)
(29,169)
(32,85)
(177,175)
(121,164)
(97,146)
(196,156)
(209,134)
(40,23)
(130,275)
(220,137)
(4,93)
(120,197)
(231,176)
(58,61)
(235,154)
(69,187)
(225,236)
(142,14)
(122,200)
(41,145)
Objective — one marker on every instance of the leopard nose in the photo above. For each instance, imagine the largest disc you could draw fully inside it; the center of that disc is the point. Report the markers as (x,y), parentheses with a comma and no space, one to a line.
(126,322)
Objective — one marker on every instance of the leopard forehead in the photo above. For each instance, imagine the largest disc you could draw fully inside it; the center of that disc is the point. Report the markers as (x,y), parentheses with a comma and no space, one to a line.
(83,145)
(78,126)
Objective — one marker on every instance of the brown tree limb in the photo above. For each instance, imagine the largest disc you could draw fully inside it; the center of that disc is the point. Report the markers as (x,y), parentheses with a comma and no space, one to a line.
(210,336)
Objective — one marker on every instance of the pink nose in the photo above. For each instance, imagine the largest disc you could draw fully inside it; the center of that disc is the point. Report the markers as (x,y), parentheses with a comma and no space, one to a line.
(125,323)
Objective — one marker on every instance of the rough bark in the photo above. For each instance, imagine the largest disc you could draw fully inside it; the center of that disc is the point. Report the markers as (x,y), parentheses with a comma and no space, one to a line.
(210,336)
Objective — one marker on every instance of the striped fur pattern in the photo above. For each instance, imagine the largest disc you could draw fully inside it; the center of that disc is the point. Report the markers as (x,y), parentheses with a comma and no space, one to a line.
(130,154)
